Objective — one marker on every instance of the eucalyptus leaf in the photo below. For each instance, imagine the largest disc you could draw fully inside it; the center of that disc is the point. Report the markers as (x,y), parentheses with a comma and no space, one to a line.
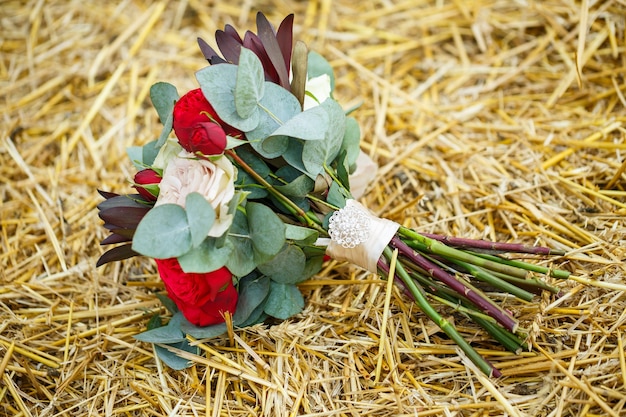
(313,266)
(287,267)
(163,233)
(267,231)
(172,359)
(283,301)
(149,152)
(336,195)
(252,293)
(135,154)
(163,96)
(241,262)
(246,183)
(293,156)
(351,139)
(207,332)
(250,84)
(299,187)
(319,153)
(308,125)
(167,129)
(207,257)
(200,217)
(218,84)
(275,108)
(169,333)
(301,235)
(168,303)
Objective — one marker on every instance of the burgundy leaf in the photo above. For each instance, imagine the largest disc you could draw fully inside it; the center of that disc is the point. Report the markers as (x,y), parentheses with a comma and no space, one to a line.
(107,194)
(253,43)
(118,236)
(124,217)
(284,36)
(232,32)
(229,46)
(132,200)
(118,253)
(268,37)
(208,52)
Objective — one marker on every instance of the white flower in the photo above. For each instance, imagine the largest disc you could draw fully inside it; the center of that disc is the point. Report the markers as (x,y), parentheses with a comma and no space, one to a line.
(214,179)
(170,149)
(319,88)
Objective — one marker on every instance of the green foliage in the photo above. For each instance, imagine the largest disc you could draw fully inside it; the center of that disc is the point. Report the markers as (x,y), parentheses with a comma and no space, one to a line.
(287,267)
(319,153)
(164,96)
(168,224)
(250,84)
(283,301)
(207,257)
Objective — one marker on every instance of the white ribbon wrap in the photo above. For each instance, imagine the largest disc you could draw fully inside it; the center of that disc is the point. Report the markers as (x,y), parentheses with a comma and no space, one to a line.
(359,237)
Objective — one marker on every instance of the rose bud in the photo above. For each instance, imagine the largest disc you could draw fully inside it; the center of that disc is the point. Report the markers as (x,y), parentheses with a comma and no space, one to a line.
(198,127)
(202,298)
(147,184)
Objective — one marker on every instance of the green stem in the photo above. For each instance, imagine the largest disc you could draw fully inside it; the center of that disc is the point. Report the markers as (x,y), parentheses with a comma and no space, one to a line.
(293,208)
(507,339)
(556,273)
(438,248)
(443,324)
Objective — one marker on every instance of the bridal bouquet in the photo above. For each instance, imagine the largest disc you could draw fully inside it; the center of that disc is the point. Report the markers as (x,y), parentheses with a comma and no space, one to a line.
(252,193)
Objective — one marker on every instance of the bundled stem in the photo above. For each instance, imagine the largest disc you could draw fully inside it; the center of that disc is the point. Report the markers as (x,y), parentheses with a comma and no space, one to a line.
(438,267)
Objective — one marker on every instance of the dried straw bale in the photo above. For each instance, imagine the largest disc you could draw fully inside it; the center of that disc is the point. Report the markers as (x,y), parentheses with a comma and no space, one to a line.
(489,119)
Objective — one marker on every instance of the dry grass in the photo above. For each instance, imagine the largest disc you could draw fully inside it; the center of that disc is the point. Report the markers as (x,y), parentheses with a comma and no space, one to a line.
(489,119)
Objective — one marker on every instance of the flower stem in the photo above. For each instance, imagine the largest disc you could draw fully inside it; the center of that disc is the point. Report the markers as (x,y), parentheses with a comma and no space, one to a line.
(293,208)
(461,287)
(461,242)
(443,324)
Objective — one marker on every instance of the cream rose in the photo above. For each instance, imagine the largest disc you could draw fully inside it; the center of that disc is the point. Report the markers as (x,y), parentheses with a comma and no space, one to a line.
(214,179)
(317,87)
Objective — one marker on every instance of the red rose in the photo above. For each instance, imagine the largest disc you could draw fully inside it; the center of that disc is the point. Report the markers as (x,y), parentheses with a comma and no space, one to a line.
(147,184)
(202,298)
(198,127)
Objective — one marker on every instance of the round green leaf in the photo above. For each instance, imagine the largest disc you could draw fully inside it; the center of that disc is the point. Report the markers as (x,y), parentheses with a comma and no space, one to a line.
(200,217)
(267,231)
(250,84)
(218,83)
(287,267)
(308,125)
(252,293)
(241,262)
(163,233)
(207,257)
(283,301)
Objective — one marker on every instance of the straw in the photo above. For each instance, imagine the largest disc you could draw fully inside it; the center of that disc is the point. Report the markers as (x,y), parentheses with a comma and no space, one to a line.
(488,120)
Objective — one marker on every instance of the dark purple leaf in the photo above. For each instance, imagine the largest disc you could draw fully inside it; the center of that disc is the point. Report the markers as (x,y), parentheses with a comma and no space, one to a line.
(232,32)
(268,37)
(208,52)
(253,43)
(122,201)
(118,236)
(124,217)
(107,194)
(118,253)
(229,46)
(284,36)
